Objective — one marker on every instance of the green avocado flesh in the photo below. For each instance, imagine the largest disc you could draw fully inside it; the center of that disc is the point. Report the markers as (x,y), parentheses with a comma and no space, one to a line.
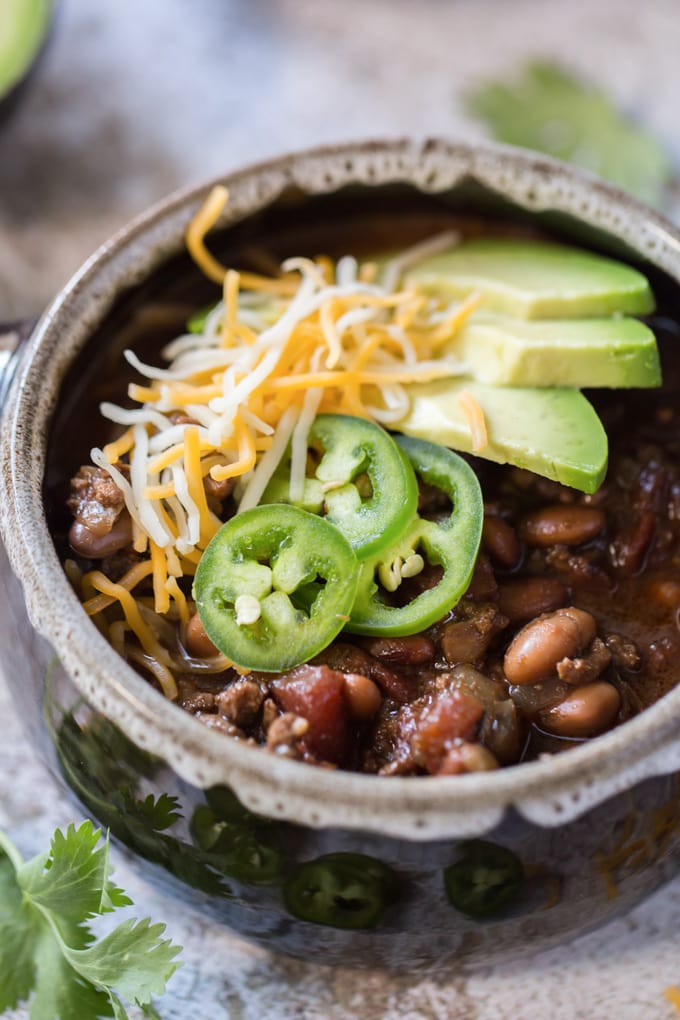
(534,279)
(23,25)
(553,432)
(614,352)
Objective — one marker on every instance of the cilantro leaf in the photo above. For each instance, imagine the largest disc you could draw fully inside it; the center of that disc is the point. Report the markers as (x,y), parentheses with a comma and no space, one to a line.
(74,883)
(45,904)
(60,992)
(548,109)
(19,929)
(133,958)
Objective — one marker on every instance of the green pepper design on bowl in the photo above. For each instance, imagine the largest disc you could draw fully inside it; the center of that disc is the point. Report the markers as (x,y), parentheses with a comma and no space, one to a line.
(485,880)
(342,890)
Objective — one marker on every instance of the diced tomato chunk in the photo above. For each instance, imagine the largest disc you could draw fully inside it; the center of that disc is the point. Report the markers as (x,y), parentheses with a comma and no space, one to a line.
(453,716)
(317,694)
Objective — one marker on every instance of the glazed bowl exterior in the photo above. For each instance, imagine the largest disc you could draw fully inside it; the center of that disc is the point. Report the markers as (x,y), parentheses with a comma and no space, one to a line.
(590,832)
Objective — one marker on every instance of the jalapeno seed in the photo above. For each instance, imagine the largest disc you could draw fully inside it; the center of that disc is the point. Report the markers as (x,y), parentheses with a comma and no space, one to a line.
(563,525)
(248,610)
(585,712)
(538,647)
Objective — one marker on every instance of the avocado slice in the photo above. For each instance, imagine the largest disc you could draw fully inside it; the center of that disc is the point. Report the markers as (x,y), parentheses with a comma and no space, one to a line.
(23,27)
(553,431)
(615,352)
(534,279)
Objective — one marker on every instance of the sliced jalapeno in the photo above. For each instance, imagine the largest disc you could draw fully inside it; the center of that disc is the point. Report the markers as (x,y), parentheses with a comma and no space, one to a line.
(341,890)
(450,544)
(361,482)
(275,586)
(484,880)
(226,807)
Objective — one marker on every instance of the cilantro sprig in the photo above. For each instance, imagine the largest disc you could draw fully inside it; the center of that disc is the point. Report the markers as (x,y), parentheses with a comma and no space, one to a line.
(48,952)
(548,109)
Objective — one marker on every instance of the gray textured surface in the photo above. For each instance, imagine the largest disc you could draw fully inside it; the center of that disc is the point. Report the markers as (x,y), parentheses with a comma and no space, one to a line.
(136,98)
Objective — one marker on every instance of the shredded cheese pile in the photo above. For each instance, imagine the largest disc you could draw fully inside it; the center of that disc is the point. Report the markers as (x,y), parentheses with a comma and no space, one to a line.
(273,354)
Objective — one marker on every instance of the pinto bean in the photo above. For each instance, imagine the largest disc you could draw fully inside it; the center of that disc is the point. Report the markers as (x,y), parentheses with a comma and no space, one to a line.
(465,757)
(500,541)
(362,695)
(197,641)
(665,592)
(97,545)
(464,641)
(586,711)
(562,525)
(527,598)
(483,584)
(629,549)
(535,651)
(415,650)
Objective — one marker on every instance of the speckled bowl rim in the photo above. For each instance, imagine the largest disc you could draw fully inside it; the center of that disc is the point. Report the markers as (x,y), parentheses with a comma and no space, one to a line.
(548,792)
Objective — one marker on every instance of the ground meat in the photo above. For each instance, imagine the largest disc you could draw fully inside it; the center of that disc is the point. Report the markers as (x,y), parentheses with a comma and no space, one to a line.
(240,703)
(269,713)
(579,570)
(95,500)
(218,491)
(285,733)
(351,659)
(583,669)
(118,563)
(193,700)
(218,722)
(101,524)
(625,653)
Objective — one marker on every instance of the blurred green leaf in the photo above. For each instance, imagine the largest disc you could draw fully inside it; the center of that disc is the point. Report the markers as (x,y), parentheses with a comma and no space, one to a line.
(547,109)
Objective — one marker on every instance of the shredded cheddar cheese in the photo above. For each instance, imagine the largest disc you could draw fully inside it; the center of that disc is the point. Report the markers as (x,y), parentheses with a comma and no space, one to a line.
(132,614)
(475,416)
(323,336)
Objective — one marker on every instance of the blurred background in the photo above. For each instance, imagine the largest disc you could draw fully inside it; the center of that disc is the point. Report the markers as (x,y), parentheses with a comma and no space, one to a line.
(134,98)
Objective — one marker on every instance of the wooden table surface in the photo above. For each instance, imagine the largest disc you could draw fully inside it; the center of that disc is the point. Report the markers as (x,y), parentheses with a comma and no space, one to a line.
(137,98)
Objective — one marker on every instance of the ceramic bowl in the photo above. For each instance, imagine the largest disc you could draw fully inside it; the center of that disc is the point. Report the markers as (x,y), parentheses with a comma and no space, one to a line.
(582,835)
